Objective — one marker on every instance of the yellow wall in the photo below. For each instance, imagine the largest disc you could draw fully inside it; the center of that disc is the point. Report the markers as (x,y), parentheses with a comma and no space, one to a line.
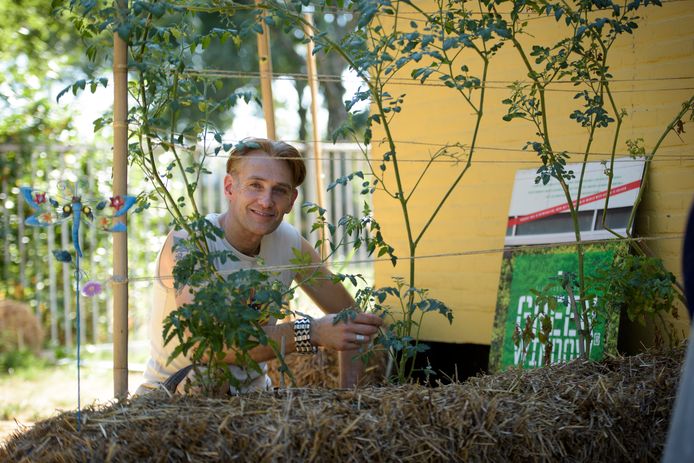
(475,216)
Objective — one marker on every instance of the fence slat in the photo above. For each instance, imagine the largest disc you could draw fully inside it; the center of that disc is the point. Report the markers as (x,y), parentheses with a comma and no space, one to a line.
(350,198)
(338,196)
(67,295)
(53,286)
(21,247)
(37,260)
(92,175)
(6,238)
(360,165)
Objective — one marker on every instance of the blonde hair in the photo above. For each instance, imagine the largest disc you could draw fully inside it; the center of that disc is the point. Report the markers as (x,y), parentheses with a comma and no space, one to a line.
(276,149)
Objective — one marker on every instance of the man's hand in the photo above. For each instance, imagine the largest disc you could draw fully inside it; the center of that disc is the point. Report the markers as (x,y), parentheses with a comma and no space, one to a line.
(342,336)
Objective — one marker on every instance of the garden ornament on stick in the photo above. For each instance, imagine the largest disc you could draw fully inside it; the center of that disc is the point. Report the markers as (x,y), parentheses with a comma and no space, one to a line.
(70,205)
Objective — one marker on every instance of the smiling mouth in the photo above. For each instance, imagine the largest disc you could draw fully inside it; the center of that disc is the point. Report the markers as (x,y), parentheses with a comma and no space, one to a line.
(263,214)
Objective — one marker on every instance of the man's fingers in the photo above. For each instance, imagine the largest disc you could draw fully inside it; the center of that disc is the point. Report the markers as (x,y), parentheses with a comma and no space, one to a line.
(349,346)
(362,338)
(361,329)
(368,319)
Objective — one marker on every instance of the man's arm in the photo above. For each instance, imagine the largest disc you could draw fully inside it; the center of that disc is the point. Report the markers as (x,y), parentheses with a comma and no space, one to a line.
(340,337)
(332,297)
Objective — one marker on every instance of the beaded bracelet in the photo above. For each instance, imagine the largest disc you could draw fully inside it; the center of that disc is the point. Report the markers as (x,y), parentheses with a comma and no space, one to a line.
(302,336)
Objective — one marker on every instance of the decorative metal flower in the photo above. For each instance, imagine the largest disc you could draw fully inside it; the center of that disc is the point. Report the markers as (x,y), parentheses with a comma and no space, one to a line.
(99,213)
(91,288)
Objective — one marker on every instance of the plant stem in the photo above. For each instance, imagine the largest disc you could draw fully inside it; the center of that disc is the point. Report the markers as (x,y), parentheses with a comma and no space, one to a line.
(686,107)
(572,301)
(468,164)
(610,175)
(567,194)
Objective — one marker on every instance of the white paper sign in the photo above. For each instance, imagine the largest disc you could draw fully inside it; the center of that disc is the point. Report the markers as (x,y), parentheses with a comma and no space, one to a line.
(531,201)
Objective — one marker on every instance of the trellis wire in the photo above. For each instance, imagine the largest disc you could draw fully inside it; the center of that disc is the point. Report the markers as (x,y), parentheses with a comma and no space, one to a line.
(510,249)
(230,74)
(662,157)
(232,7)
(219,74)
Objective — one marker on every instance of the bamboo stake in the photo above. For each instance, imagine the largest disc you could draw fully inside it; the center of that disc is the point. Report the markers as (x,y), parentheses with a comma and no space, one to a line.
(265,65)
(317,149)
(120,240)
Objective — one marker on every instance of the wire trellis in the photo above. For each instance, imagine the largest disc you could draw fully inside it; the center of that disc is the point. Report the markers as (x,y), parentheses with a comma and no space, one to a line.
(505,249)
(403,81)
(670,157)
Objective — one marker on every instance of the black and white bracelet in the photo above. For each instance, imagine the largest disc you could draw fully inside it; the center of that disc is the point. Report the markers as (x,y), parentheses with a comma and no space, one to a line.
(302,336)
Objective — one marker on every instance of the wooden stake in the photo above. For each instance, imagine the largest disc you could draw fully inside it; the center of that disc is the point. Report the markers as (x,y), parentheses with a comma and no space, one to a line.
(317,149)
(265,64)
(120,240)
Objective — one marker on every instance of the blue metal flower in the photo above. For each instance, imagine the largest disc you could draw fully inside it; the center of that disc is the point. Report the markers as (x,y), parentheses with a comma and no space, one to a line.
(95,213)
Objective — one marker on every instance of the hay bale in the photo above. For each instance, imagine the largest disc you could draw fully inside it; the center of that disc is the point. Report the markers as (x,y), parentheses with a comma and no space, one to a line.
(616,410)
(321,370)
(19,328)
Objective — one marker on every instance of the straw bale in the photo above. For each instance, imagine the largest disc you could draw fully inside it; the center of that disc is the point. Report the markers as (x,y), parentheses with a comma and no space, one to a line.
(321,370)
(19,328)
(615,410)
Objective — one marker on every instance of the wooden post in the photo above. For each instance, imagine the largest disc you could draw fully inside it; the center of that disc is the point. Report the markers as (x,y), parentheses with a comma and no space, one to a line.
(120,240)
(265,65)
(317,149)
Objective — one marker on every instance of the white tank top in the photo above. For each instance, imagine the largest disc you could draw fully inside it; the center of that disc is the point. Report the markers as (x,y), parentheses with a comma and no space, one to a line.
(275,249)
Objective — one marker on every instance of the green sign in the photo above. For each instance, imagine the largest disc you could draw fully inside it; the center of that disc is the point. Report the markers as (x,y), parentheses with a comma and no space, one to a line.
(523,271)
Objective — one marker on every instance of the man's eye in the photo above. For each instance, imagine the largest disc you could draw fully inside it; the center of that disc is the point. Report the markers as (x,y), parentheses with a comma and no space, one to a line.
(281,192)
(256,186)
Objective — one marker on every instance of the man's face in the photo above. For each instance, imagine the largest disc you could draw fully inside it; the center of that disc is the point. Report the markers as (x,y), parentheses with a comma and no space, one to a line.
(260,192)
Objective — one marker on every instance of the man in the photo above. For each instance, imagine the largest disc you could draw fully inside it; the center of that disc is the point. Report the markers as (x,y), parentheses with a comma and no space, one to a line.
(260,188)
(680,446)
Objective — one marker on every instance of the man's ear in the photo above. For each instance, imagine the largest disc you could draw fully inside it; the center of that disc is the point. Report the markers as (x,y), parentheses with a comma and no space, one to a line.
(295,194)
(228,185)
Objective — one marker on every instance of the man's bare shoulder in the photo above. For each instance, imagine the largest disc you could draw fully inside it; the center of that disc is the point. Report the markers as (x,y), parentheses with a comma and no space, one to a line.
(173,250)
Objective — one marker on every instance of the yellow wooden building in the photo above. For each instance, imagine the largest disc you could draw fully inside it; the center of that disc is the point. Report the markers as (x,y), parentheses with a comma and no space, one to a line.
(653,73)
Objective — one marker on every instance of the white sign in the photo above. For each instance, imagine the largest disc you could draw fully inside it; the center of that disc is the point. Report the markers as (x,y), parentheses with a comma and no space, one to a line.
(532,201)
